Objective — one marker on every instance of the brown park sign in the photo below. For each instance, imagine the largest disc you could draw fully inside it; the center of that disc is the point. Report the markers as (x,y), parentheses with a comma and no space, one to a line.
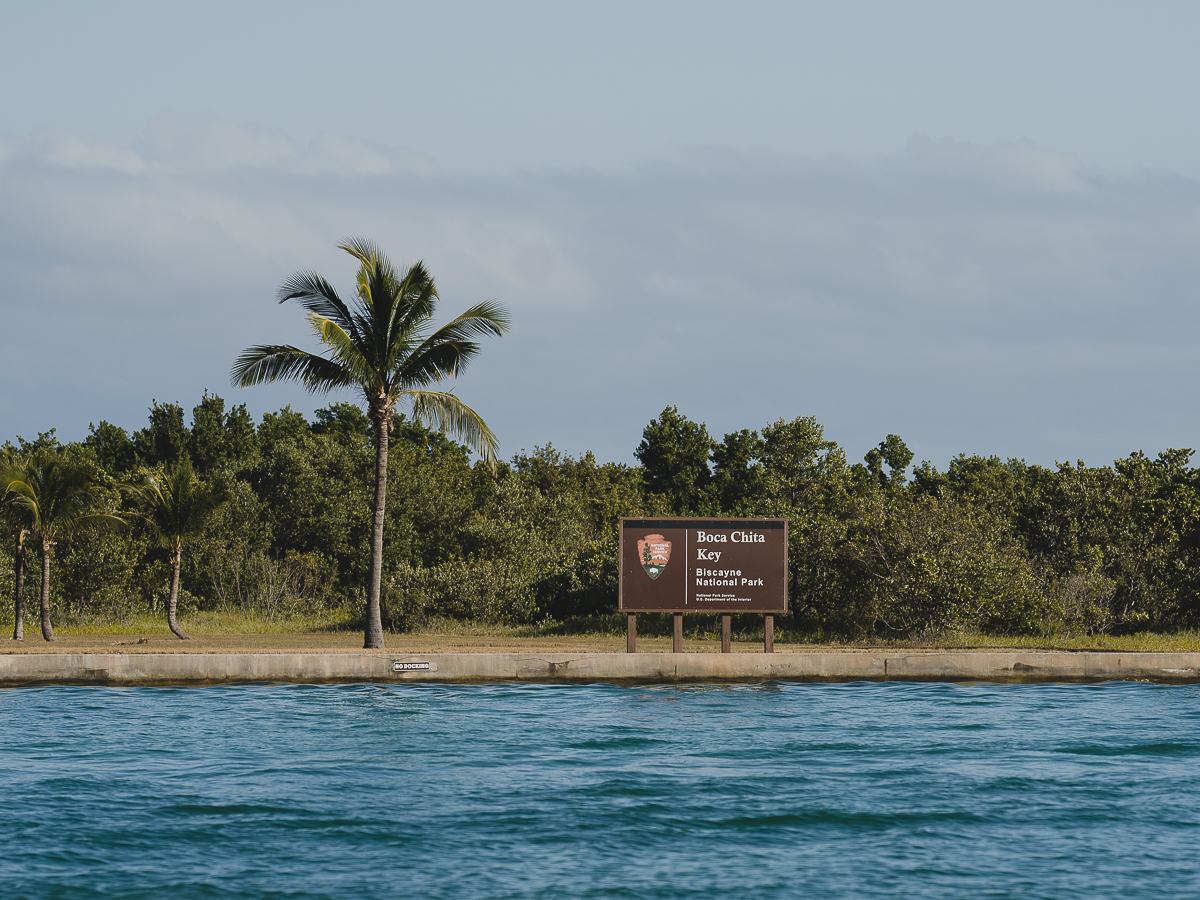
(704,565)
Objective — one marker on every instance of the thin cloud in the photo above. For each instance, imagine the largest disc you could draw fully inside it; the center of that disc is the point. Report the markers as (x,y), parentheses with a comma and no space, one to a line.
(208,145)
(1000,298)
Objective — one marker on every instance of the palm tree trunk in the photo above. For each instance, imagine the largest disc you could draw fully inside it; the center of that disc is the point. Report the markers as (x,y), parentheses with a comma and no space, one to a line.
(19,589)
(176,556)
(373,636)
(47,628)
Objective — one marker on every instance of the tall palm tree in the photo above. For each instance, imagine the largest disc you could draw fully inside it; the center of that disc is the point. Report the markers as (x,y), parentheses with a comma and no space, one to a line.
(175,505)
(58,496)
(12,469)
(385,345)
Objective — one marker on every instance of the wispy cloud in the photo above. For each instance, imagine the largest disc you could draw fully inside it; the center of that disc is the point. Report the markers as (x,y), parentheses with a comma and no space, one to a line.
(1000,298)
(209,145)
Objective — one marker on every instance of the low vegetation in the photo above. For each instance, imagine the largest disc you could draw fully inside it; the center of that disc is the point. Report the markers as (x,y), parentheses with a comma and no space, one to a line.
(988,552)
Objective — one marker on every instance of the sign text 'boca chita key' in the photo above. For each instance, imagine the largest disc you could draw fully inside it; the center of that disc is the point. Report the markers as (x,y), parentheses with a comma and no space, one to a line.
(704,565)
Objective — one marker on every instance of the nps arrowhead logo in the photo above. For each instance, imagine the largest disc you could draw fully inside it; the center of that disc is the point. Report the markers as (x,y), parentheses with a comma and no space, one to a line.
(654,552)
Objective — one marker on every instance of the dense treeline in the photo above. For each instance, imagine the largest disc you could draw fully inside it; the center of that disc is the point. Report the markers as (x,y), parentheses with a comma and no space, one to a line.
(878,548)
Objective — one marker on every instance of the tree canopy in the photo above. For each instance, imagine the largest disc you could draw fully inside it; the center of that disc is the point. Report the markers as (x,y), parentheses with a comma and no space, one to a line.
(878,548)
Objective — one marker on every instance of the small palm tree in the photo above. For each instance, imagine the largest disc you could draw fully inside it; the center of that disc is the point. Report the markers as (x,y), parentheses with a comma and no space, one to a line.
(386,347)
(58,498)
(12,469)
(175,505)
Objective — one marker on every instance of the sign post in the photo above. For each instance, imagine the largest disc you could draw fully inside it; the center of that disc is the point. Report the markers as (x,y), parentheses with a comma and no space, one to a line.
(714,565)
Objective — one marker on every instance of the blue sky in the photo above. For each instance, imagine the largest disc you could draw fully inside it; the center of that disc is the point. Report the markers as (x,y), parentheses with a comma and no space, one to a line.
(974,225)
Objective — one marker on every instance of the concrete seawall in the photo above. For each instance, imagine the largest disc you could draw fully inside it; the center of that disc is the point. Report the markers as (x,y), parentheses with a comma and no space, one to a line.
(834,666)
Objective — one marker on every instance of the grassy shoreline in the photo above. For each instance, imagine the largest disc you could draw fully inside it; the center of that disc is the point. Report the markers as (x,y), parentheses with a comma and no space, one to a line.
(229,632)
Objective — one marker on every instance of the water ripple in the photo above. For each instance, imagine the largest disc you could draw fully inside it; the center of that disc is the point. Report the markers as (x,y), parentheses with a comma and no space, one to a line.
(774,790)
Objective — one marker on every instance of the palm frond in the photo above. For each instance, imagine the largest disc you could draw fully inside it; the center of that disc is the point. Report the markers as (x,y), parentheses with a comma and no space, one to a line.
(449,349)
(385,294)
(280,362)
(378,290)
(382,294)
(317,296)
(19,493)
(96,521)
(481,320)
(449,415)
(365,251)
(435,364)
(11,473)
(418,298)
(346,351)
(174,504)
(57,496)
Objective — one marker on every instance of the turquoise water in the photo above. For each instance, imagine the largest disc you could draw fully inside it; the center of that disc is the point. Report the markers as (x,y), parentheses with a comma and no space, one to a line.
(778,790)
